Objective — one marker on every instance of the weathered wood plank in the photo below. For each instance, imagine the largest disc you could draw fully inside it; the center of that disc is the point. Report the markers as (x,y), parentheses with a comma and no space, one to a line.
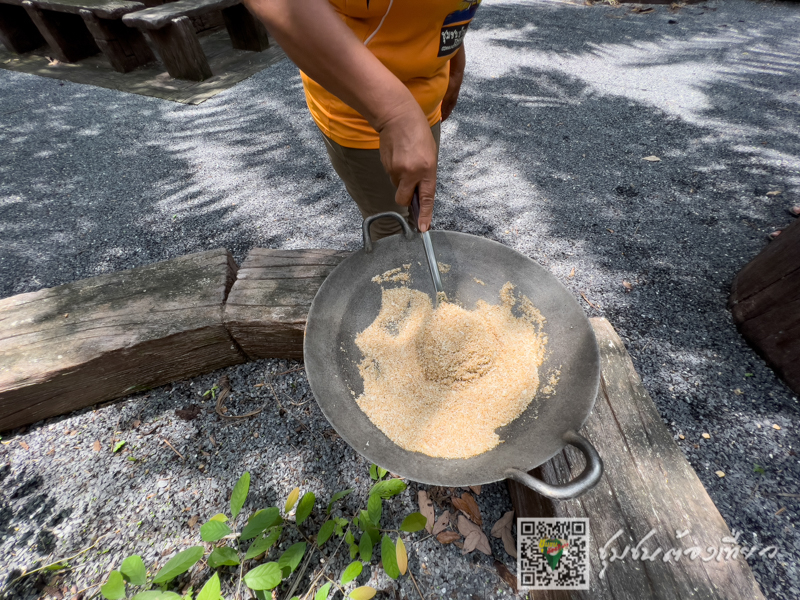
(17,31)
(74,345)
(247,32)
(159,16)
(648,485)
(105,9)
(124,47)
(267,308)
(180,50)
(65,33)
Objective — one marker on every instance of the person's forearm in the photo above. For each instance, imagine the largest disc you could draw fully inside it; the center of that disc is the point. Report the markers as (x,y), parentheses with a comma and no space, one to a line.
(319,42)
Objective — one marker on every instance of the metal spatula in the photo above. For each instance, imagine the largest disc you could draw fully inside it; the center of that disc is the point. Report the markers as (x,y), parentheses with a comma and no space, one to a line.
(430,255)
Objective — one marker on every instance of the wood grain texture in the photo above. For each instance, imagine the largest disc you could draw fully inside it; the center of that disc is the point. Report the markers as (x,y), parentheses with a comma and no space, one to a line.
(247,32)
(125,48)
(65,33)
(180,50)
(17,31)
(74,345)
(159,16)
(268,305)
(105,9)
(648,485)
(765,303)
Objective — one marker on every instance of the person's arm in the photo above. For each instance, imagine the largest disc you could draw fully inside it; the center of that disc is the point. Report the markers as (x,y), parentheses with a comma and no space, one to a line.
(319,42)
(457,65)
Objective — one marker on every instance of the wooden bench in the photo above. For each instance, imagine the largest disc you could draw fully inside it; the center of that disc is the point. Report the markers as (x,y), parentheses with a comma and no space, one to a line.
(18,32)
(75,29)
(765,302)
(173,35)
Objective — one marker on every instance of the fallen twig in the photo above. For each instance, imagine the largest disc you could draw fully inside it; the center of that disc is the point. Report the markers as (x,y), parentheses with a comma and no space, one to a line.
(166,441)
(588,302)
(413,579)
(224,391)
(63,560)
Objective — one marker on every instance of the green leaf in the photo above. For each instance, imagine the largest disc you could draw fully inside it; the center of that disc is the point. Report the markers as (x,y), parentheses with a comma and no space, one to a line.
(133,570)
(352,571)
(223,557)
(57,566)
(214,531)
(157,595)
(219,517)
(239,495)
(292,557)
(339,525)
(325,532)
(263,577)
(388,488)
(366,525)
(374,509)
(263,544)
(322,593)
(758,469)
(338,496)
(353,551)
(119,446)
(260,521)
(260,594)
(211,589)
(304,507)
(381,472)
(349,537)
(389,557)
(413,522)
(365,548)
(180,563)
(749,375)
(363,593)
(373,472)
(114,588)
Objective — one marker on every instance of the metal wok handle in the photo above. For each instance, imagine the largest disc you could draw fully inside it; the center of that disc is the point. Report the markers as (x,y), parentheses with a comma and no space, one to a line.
(372,218)
(582,483)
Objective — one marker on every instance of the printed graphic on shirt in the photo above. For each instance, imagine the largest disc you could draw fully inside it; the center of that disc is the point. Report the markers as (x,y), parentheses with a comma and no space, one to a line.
(455,27)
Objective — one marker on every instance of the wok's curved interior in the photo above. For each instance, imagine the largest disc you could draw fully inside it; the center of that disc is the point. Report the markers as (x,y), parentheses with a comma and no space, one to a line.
(348,302)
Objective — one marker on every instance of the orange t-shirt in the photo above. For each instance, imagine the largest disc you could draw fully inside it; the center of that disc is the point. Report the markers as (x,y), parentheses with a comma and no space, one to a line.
(414,39)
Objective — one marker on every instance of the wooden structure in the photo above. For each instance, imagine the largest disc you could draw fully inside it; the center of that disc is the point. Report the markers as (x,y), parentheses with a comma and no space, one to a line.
(171,31)
(765,302)
(101,338)
(648,485)
(18,32)
(267,308)
(75,29)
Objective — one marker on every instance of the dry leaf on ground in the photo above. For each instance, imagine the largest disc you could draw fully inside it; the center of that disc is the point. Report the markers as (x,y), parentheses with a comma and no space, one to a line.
(441,524)
(504,522)
(448,537)
(652,158)
(471,542)
(509,544)
(24,445)
(466,527)
(426,508)
(641,10)
(476,489)
(774,193)
(572,273)
(506,575)
(627,285)
(469,507)
(192,521)
(97,446)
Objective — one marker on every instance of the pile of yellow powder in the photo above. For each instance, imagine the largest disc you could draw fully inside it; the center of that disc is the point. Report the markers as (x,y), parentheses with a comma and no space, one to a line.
(441,381)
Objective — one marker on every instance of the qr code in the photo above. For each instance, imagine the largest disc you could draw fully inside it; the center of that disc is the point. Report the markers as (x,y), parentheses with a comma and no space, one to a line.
(553,554)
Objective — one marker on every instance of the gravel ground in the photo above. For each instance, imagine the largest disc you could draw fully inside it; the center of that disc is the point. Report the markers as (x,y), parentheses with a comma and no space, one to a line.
(544,153)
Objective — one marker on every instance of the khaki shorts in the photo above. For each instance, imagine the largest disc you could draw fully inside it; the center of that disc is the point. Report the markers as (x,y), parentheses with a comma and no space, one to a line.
(369,185)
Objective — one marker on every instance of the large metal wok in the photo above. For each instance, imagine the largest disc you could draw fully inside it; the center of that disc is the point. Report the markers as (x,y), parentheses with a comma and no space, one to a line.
(348,302)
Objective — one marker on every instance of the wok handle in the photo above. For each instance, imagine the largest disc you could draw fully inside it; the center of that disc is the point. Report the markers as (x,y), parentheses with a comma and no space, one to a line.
(372,218)
(582,483)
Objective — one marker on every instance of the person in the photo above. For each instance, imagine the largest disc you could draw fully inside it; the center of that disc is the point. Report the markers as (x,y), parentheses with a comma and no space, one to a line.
(379,77)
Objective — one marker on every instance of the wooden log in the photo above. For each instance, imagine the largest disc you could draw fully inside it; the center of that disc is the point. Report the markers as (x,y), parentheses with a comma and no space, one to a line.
(180,50)
(97,339)
(648,485)
(65,33)
(17,31)
(267,308)
(105,9)
(124,47)
(160,16)
(765,303)
(247,32)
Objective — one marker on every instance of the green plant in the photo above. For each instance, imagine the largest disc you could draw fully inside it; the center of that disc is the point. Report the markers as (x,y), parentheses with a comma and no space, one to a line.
(263,533)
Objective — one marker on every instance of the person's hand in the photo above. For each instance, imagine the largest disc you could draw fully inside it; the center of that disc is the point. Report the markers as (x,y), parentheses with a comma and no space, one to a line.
(457,64)
(408,153)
